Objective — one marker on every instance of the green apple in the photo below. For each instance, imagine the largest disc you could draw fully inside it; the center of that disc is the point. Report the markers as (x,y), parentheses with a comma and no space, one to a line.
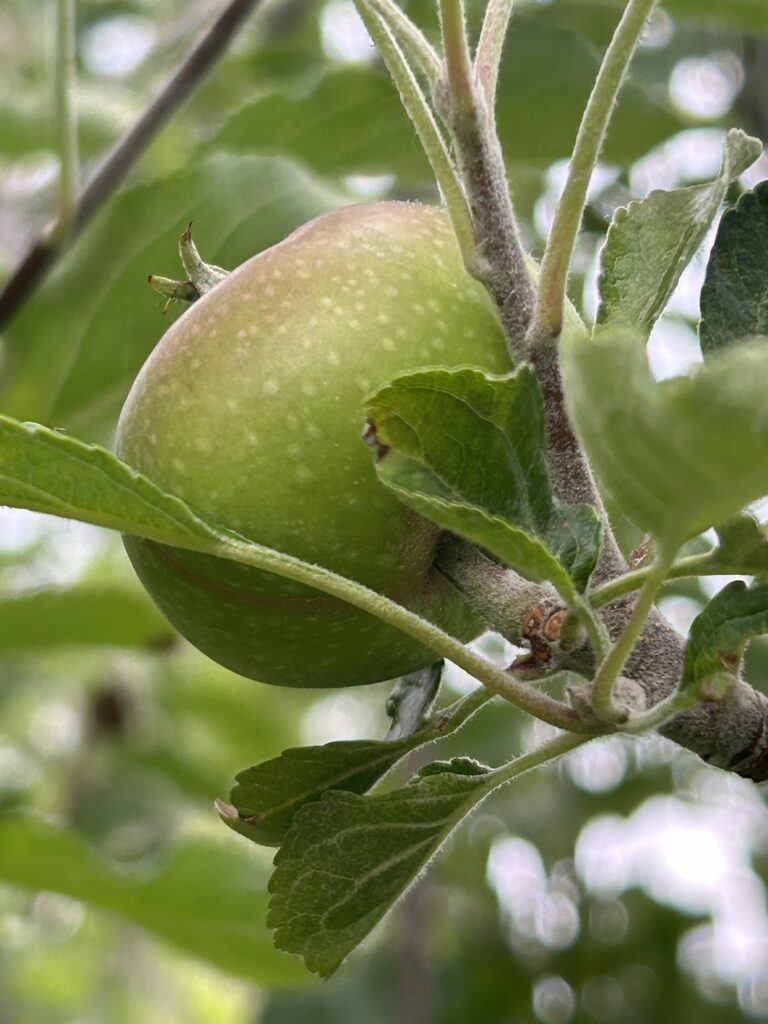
(251,408)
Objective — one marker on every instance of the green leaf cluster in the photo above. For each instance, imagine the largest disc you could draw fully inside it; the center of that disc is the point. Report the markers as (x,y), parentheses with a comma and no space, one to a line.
(439,433)
(686,454)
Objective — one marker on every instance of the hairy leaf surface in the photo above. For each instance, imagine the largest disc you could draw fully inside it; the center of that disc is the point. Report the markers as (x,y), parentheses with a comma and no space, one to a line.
(268,795)
(652,241)
(678,456)
(719,634)
(467,450)
(348,858)
(734,299)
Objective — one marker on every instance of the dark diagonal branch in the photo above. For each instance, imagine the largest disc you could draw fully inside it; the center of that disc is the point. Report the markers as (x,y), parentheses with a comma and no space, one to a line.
(119,161)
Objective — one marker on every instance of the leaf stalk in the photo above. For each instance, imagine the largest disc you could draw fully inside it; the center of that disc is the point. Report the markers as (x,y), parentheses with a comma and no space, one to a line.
(548,314)
(603,699)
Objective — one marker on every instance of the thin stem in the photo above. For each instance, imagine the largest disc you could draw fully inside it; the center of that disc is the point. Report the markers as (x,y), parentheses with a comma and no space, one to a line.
(548,315)
(494,679)
(549,751)
(458,63)
(502,265)
(490,46)
(124,154)
(66,114)
(449,719)
(693,565)
(596,631)
(423,121)
(412,41)
(656,716)
(603,702)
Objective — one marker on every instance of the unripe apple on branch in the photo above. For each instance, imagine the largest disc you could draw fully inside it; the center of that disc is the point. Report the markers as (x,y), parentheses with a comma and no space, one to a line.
(252,407)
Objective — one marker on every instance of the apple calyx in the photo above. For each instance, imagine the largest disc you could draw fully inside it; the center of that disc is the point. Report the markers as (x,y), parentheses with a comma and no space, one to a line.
(201,276)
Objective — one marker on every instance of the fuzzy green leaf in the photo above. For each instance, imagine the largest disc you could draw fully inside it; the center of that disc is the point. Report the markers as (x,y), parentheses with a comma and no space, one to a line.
(742,548)
(652,241)
(680,455)
(734,299)
(47,471)
(719,634)
(347,858)
(268,795)
(467,451)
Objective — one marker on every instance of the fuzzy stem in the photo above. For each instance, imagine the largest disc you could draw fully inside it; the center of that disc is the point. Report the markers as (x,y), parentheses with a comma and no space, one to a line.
(423,121)
(501,597)
(490,46)
(548,315)
(694,565)
(66,114)
(549,751)
(658,714)
(411,40)
(44,252)
(449,719)
(458,63)
(603,701)
(496,680)
(502,263)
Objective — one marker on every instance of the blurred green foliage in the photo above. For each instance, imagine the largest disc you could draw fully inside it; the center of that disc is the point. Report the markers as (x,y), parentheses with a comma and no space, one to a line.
(124,900)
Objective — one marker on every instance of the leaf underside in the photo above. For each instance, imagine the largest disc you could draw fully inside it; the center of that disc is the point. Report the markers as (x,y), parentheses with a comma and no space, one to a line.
(734,299)
(678,456)
(719,634)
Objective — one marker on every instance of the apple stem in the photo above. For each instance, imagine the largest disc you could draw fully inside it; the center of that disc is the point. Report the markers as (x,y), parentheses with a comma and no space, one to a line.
(603,696)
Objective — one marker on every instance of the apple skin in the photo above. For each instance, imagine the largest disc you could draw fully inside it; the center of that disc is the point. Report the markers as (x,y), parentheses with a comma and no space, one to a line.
(251,408)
